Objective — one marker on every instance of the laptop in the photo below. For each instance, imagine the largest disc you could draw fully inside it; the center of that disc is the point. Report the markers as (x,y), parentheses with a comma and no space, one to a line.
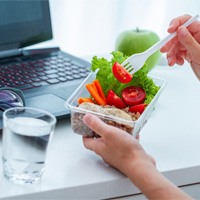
(46,76)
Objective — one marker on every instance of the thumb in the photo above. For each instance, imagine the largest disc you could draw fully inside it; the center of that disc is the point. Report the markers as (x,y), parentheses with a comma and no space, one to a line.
(188,41)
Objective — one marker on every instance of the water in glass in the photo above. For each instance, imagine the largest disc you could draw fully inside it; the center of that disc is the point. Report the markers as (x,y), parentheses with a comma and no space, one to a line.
(27,139)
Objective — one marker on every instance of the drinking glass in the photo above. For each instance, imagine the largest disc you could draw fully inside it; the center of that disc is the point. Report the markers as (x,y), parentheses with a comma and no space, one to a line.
(27,133)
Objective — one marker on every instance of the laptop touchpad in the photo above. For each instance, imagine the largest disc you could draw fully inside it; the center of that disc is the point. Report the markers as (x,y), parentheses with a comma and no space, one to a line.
(48,102)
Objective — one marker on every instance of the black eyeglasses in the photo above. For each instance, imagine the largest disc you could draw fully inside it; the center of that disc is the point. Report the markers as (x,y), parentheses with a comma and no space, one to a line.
(11,97)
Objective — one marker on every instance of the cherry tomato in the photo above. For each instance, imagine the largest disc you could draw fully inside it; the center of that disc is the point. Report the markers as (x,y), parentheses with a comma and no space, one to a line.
(121,74)
(138,108)
(133,95)
(113,100)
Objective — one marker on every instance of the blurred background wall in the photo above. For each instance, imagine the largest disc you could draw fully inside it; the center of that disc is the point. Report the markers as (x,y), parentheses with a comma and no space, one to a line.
(90,27)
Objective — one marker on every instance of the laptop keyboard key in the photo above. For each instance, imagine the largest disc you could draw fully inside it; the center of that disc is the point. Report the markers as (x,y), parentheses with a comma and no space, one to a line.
(51,76)
(69,78)
(62,79)
(68,73)
(44,78)
(52,71)
(76,76)
(53,81)
(83,75)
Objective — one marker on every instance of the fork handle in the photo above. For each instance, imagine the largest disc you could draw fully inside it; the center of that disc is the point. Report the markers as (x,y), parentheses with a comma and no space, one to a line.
(162,42)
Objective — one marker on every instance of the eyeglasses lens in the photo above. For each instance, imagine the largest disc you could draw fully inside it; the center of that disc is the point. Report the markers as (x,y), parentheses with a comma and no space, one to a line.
(9,99)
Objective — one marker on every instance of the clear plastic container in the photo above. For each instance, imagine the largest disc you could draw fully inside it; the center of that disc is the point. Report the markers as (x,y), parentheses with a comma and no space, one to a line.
(132,127)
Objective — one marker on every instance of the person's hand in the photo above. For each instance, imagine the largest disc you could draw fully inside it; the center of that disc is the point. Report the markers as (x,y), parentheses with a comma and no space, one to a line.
(186,45)
(116,147)
(123,151)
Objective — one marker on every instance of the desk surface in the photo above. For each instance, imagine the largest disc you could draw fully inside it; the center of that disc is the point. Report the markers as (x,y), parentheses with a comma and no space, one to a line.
(171,136)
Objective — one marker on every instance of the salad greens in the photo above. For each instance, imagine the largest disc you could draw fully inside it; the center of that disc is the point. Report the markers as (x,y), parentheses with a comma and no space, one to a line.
(109,82)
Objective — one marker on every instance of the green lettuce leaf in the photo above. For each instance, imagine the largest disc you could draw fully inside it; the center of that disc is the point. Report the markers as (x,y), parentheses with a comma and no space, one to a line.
(109,82)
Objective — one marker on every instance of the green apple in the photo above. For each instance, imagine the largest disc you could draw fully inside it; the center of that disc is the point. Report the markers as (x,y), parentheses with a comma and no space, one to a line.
(135,41)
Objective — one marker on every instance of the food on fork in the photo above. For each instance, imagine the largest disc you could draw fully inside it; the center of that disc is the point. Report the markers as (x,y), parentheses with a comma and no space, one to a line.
(121,74)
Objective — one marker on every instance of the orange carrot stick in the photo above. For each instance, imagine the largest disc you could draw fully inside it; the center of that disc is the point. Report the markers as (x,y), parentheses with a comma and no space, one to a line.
(95,95)
(99,89)
(84,99)
(94,86)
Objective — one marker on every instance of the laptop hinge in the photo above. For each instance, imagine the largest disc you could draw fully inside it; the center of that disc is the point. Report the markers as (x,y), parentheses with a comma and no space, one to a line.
(10,53)
(30,52)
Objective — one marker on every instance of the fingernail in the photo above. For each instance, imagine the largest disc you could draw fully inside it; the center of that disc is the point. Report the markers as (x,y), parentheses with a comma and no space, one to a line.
(85,119)
(170,26)
(169,60)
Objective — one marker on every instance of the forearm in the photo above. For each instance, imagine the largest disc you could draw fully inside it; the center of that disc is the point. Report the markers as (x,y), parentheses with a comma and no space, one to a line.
(153,184)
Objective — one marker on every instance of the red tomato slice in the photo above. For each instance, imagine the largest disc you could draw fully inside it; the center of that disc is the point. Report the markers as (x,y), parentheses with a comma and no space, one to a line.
(133,95)
(138,108)
(113,100)
(121,74)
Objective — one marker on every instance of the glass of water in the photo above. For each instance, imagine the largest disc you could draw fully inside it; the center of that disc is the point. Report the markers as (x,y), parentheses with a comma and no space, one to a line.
(26,136)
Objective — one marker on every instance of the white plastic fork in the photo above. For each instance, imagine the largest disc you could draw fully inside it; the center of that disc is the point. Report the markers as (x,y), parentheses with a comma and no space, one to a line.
(136,61)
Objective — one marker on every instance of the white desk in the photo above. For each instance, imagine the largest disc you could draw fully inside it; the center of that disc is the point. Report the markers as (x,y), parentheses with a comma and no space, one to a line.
(171,136)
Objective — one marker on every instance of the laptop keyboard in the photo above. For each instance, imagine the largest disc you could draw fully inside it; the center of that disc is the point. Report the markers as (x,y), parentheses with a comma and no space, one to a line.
(40,72)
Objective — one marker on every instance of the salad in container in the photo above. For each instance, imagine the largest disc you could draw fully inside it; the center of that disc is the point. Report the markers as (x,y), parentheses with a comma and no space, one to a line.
(114,95)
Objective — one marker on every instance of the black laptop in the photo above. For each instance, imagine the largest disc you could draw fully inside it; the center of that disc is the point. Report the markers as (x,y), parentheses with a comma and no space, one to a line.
(46,76)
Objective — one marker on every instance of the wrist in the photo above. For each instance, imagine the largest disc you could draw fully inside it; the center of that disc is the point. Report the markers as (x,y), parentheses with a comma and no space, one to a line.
(139,168)
(142,172)
(137,163)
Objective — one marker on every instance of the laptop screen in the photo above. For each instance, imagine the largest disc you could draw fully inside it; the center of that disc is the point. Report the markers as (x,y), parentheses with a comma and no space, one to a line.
(24,23)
